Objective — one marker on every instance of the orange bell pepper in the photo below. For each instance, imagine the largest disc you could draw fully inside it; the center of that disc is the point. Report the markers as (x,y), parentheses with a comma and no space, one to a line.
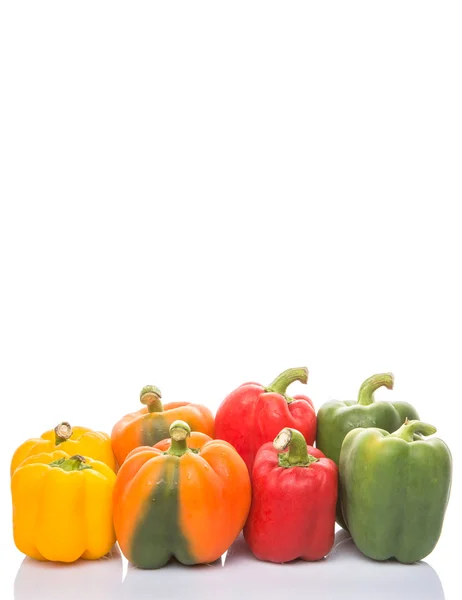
(179,502)
(150,424)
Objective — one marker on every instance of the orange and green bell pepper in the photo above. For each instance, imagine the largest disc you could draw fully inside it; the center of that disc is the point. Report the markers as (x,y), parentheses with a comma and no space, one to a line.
(150,424)
(182,503)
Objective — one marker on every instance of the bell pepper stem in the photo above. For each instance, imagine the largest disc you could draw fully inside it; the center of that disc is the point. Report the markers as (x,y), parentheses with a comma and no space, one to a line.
(74,463)
(63,432)
(179,432)
(282,381)
(150,396)
(368,388)
(412,431)
(297,455)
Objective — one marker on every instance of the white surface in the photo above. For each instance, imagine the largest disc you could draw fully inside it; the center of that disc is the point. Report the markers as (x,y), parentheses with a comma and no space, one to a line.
(345,574)
(195,195)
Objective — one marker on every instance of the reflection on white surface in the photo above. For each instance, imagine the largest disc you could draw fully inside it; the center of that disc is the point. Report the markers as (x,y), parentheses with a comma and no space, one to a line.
(99,579)
(344,574)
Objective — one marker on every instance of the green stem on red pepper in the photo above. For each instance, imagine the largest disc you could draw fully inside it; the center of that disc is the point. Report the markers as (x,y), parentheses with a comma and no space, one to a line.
(297,455)
(282,381)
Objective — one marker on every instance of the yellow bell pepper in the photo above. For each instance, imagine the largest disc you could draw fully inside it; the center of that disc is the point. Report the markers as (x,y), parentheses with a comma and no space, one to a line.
(72,440)
(62,507)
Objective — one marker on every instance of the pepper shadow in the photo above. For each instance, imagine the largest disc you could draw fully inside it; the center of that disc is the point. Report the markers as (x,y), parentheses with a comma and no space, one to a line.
(174,581)
(99,579)
(344,574)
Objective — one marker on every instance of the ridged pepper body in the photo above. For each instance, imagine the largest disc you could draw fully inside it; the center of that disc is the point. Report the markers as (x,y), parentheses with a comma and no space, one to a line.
(293,505)
(150,424)
(394,490)
(253,415)
(61,514)
(190,505)
(71,440)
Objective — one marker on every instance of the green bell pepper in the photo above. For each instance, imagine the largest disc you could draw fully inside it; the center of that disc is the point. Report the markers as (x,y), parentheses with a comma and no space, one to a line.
(336,418)
(394,490)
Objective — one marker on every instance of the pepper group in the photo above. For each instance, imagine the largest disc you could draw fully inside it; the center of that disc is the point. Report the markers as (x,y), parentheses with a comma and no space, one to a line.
(173,481)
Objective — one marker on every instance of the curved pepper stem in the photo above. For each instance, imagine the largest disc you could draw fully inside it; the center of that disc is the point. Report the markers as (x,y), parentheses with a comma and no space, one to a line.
(282,381)
(297,456)
(410,428)
(63,432)
(150,396)
(74,463)
(179,432)
(367,389)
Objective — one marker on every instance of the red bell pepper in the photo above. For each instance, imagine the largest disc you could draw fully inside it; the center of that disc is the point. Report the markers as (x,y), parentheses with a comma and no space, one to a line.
(294,495)
(253,414)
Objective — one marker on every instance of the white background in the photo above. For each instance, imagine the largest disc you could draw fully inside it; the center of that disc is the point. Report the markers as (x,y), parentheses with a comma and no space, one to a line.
(195,194)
